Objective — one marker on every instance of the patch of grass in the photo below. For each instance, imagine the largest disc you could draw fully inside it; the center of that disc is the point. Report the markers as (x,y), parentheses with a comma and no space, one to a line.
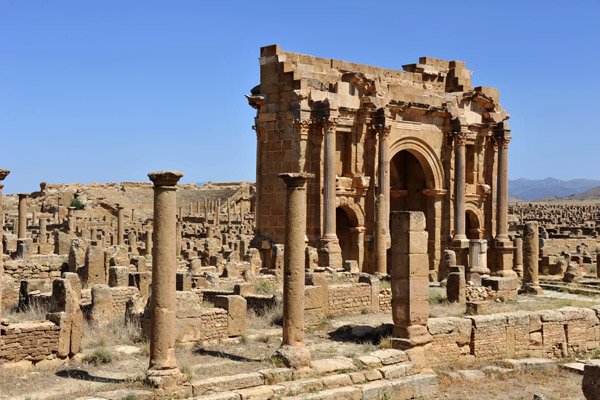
(268,318)
(437,298)
(278,362)
(385,342)
(131,397)
(32,312)
(116,332)
(264,286)
(98,357)
(187,371)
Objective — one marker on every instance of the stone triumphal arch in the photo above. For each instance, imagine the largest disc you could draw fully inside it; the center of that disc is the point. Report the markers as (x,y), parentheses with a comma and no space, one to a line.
(420,139)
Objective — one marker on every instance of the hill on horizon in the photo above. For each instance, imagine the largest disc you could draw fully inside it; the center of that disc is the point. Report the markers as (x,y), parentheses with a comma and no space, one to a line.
(539,189)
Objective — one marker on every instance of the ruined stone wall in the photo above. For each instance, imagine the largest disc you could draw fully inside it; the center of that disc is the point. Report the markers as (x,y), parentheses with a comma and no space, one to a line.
(547,333)
(349,299)
(385,300)
(558,245)
(32,341)
(205,324)
(120,297)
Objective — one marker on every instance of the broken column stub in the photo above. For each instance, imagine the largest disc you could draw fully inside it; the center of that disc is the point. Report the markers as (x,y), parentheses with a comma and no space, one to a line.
(531,283)
(410,279)
(293,351)
(163,372)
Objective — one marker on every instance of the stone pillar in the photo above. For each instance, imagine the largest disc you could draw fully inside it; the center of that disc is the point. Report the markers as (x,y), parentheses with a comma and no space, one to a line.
(410,281)
(477,259)
(460,141)
(518,260)
(178,242)
(120,225)
(358,245)
(228,213)
(293,351)
(330,253)
(149,243)
(132,214)
(383,131)
(434,230)
(3,174)
(22,230)
(502,137)
(71,225)
(380,236)
(163,371)
(531,251)
(42,238)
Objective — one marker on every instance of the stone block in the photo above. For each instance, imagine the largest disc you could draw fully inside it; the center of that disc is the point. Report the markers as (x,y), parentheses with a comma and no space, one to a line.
(184,281)
(118,276)
(236,313)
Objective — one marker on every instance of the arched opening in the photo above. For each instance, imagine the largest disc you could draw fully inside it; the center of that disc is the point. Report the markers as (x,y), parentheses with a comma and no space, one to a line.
(472,227)
(407,182)
(343,227)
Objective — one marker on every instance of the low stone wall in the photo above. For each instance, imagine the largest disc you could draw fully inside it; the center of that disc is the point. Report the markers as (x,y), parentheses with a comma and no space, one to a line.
(32,341)
(120,297)
(385,300)
(558,245)
(260,303)
(547,333)
(349,298)
(209,295)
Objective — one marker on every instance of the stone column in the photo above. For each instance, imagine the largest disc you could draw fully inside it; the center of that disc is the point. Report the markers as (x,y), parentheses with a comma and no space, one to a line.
(518,261)
(410,280)
(531,249)
(132,214)
(380,237)
(3,174)
(120,225)
(358,245)
(383,130)
(293,351)
(460,141)
(149,243)
(163,371)
(22,230)
(71,220)
(178,242)
(330,253)
(42,238)
(502,137)
(228,213)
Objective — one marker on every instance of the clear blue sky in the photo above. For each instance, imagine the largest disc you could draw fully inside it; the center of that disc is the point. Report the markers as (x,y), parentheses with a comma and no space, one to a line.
(106,91)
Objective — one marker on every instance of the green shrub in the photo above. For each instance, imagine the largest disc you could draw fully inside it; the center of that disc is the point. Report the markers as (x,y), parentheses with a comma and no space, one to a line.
(76,203)
(98,357)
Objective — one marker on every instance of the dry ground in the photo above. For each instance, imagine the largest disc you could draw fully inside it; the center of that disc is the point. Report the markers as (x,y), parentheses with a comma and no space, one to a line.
(333,337)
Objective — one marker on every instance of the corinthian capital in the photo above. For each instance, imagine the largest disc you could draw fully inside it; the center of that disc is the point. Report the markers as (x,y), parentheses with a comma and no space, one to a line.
(302,127)
(328,124)
(460,138)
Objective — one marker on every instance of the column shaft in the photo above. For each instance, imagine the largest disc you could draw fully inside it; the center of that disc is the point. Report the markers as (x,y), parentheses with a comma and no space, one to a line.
(329,184)
(502,195)
(120,226)
(459,185)
(22,227)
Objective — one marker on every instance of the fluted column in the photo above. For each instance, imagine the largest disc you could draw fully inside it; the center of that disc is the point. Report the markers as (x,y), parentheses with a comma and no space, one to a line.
(293,351)
(163,371)
(257,198)
(22,227)
(502,137)
(460,141)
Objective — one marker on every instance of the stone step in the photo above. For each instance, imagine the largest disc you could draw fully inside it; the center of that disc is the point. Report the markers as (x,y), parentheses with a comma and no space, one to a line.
(576,367)
(529,364)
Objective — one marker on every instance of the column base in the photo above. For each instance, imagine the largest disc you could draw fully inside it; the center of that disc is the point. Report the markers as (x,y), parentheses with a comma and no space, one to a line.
(330,253)
(296,357)
(171,380)
(504,257)
(531,288)
(518,270)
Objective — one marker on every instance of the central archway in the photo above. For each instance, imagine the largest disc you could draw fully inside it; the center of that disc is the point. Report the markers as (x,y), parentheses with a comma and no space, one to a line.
(416,184)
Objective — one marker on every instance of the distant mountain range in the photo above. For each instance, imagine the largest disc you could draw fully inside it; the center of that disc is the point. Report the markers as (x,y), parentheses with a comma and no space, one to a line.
(552,188)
